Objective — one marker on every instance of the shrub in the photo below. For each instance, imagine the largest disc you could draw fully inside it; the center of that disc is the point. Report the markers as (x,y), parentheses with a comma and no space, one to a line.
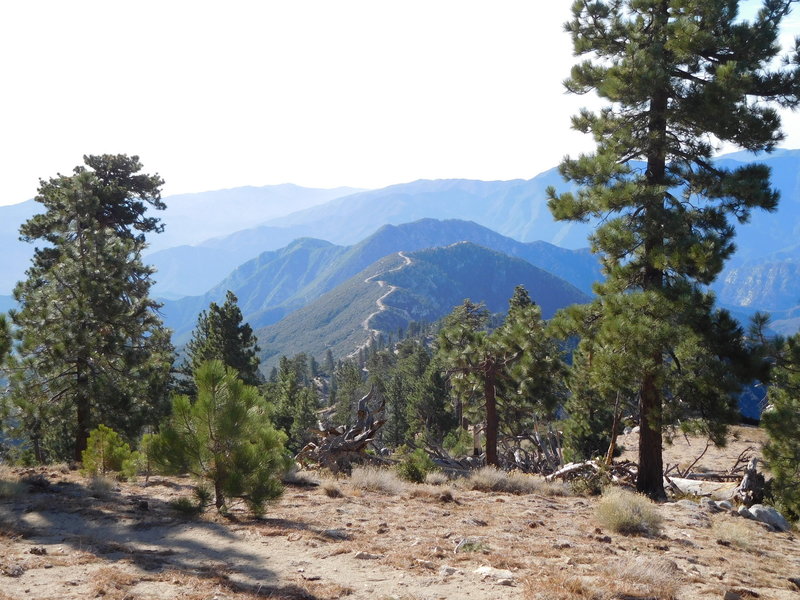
(374,479)
(415,466)
(625,512)
(224,437)
(105,452)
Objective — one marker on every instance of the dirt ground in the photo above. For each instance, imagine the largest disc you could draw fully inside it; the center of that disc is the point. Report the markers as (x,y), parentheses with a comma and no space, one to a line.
(60,539)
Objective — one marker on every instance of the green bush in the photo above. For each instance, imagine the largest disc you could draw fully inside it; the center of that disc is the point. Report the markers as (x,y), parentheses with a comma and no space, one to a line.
(106,452)
(415,466)
(224,437)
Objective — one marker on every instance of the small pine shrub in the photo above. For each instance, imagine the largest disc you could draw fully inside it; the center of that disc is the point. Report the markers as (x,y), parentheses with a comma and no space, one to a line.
(105,452)
(415,466)
(186,507)
(628,513)
(458,442)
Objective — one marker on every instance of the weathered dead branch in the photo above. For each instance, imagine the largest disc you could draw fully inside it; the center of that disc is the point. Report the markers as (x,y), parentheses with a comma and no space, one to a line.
(338,448)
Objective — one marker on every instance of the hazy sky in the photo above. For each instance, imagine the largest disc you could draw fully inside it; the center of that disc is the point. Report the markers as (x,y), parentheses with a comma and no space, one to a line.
(319,93)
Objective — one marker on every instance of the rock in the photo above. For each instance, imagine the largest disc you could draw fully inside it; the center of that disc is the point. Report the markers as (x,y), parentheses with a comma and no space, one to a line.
(710,505)
(794,581)
(486,572)
(12,570)
(627,431)
(635,429)
(366,556)
(428,564)
(770,516)
(446,570)
(561,544)
(690,504)
(508,582)
(745,512)
(725,505)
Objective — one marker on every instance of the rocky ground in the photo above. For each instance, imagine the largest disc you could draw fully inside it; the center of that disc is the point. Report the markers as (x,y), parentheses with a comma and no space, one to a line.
(60,538)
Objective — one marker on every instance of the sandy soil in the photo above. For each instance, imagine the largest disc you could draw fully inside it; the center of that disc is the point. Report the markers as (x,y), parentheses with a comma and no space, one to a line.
(62,540)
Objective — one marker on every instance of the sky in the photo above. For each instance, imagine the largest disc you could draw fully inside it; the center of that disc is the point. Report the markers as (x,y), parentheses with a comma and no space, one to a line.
(321,93)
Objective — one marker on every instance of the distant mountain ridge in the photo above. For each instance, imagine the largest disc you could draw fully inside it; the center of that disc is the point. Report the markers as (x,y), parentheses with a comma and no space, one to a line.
(280,281)
(188,219)
(411,286)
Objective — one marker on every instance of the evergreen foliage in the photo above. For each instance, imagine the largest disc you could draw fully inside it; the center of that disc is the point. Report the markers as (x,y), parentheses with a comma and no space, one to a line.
(105,452)
(91,347)
(221,335)
(680,77)
(782,423)
(508,375)
(225,437)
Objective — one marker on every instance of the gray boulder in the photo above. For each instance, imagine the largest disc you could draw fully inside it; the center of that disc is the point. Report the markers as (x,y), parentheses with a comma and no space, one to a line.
(770,516)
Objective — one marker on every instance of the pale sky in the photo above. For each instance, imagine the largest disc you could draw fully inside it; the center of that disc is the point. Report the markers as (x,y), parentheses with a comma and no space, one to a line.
(319,93)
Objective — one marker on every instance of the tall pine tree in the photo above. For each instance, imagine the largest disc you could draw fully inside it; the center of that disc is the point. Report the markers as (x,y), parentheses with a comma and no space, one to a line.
(681,77)
(220,334)
(91,346)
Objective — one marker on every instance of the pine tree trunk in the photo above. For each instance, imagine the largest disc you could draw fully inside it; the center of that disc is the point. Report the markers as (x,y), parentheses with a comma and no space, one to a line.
(83,412)
(650,480)
(219,496)
(491,418)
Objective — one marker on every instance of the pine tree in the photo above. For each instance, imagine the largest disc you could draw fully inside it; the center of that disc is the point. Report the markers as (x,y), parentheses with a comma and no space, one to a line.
(91,346)
(681,77)
(226,437)
(782,423)
(515,370)
(220,334)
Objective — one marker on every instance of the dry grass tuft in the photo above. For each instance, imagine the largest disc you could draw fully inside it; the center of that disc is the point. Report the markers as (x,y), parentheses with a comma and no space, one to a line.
(111,583)
(374,479)
(490,479)
(101,486)
(625,512)
(331,489)
(647,577)
(643,577)
(437,478)
(732,533)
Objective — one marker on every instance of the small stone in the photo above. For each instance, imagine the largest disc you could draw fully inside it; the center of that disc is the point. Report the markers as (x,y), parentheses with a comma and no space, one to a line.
(486,571)
(687,504)
(794,581)
(725,505)
(446,570)
(428,564)
(366,556)
(13,571)
(476,522)
(508,582)
(710,505)
(561,544)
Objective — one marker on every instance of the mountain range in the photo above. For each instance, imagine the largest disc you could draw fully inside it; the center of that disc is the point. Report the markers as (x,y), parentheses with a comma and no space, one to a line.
(280,281)
(281,248)
(409,286)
